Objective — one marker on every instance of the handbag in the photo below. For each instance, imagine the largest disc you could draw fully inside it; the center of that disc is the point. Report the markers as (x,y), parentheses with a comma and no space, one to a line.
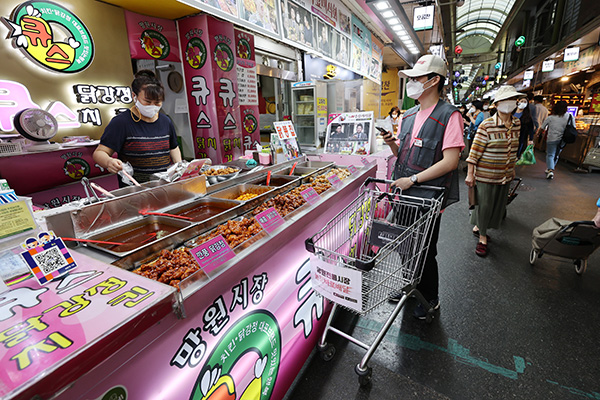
(472,193)
(570,133)
(527,158)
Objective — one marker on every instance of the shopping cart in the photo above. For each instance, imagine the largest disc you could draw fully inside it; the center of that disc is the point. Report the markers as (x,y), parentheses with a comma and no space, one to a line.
(378,244)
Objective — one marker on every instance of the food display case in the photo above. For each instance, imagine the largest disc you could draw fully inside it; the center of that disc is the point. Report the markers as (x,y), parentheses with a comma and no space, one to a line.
(246,313)
(309,111)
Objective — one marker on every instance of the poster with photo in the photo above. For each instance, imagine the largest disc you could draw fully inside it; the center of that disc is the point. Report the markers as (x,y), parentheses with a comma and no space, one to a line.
(262,13)
(287,139)
(350,133)
(324,38)
(298,24)
(344,22)
(227,6)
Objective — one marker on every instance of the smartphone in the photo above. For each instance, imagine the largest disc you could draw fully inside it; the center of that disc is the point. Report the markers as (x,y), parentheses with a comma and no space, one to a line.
(384,133)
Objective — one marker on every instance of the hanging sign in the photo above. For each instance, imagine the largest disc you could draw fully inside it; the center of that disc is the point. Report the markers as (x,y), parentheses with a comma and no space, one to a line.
(548,66)
(151,38)
(571,54)
(528,75)
(423,18)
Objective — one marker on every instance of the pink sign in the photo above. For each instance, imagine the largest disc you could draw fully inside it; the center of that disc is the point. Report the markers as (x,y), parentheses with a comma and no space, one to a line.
(209,255)
(352,169)
(247,79)
(269,219)
(335,181)
(365,161)
(44,326)
(151,38)
(211,82)
(310,195)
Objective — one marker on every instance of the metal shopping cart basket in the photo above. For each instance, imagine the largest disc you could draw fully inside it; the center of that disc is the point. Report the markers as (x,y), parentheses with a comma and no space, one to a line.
(371,251)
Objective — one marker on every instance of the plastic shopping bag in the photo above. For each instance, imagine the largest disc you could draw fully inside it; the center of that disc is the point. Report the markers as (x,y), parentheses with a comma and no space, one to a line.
(527,158)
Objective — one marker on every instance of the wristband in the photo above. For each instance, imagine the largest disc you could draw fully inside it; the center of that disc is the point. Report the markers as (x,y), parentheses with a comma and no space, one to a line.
(598,202)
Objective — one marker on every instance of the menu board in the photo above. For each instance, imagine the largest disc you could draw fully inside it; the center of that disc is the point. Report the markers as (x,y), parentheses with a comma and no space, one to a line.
(350,133)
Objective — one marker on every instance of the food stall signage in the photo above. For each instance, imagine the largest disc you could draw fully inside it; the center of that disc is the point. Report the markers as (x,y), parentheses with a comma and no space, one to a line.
(285,129)
(47,257)
(337,283)
(310,195)
(32,26)
(571,54)
(548,66)
(352,169)
(269,219)
(15,217)
(423,18)
(211,254)
(528,75)
(335,181)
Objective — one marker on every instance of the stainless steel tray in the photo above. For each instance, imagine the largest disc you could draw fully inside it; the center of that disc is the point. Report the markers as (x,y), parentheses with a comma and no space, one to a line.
(234,192)
(133,233)
(134,189)
(298,171)
(276,180)
(203,209)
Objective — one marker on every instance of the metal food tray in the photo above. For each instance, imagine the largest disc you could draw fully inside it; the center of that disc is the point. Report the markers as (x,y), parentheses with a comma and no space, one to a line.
(298,171)
(111,234)
(220,204)
(232,193)
(276,180)
(134,189)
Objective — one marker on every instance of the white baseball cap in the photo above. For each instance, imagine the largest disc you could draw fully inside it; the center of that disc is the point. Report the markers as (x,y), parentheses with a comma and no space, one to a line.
(426,65)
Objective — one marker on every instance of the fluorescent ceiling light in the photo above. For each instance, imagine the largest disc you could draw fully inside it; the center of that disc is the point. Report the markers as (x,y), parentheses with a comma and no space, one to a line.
(404,37)
(393,21)
(398,29)
(388,14)
(382,5)
(414,51)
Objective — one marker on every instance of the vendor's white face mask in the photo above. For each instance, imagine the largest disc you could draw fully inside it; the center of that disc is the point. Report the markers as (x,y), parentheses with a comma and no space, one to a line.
(147,111)
(414,89)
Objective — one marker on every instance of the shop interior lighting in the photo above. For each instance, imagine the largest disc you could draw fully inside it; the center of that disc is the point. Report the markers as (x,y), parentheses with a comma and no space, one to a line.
(388,14)
(382,5)
(564,78)
(393,21)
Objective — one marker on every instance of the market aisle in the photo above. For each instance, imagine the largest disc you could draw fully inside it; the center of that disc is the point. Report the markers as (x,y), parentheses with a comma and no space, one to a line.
(506,329)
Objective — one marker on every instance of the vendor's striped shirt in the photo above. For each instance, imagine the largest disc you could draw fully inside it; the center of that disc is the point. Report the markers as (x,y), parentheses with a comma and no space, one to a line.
(494,150)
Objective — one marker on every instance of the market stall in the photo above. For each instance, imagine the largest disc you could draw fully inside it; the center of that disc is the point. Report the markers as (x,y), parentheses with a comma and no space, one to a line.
(243,322)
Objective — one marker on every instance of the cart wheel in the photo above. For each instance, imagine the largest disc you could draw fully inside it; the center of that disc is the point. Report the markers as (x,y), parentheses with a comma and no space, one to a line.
(327,351)
(580,266)
(364,377)
(533,256)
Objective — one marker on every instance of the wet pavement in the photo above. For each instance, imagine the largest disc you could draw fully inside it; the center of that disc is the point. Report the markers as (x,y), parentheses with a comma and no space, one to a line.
(505,330)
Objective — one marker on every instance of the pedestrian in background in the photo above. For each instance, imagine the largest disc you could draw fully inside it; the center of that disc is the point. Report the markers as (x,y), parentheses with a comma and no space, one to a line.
(556,124)
(527,132)
(539,112)
(491,165)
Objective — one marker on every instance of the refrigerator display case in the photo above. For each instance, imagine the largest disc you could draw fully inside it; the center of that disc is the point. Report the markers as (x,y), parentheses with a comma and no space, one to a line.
(309,112)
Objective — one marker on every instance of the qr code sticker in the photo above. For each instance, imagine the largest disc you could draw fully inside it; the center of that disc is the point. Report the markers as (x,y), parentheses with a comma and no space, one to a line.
(50,260)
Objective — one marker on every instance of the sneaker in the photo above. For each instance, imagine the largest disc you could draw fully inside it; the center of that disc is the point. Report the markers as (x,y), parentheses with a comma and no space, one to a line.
(550,175)
(547,170)
(481,250)
(421,313)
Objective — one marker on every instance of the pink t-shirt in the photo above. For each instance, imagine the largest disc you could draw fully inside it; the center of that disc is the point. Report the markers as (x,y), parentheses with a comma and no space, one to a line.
(453,137)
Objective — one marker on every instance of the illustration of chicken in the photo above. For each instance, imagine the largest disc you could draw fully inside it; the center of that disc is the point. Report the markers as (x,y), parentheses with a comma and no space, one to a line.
(222,59)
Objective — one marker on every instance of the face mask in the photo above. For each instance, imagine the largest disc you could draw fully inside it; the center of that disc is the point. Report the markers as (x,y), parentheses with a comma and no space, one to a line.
(473,109)
(486,107)
(394,115)
(414,89)
(147,111)
(522,106)
(506,107)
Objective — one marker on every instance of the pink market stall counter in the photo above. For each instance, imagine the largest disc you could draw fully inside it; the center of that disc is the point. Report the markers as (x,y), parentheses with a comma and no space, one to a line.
(243,326)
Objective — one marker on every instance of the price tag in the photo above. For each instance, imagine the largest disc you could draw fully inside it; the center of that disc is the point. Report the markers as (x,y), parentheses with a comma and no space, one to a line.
(209,255)
(335,181)
(352,169)
(365,161)
(310,195)
(269,219)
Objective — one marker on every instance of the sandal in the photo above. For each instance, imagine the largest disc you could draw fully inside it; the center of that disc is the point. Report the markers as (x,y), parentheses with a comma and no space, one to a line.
(476,234)
(481,250)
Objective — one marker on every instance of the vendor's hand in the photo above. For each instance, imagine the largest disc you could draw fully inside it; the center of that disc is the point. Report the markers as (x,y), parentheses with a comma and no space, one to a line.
(114,165)
(470,180)
(402,184)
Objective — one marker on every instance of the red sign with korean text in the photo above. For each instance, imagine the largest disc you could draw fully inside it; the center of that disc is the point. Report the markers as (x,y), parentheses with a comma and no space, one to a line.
(335,181)
(247,79)
(151,38)
(310,195)
(269,219)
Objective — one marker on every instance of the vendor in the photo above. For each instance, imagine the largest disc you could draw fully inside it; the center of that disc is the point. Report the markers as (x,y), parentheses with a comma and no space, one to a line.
(143,137)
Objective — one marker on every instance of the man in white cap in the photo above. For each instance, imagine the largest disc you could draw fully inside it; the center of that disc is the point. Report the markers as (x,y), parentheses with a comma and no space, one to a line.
(430,139)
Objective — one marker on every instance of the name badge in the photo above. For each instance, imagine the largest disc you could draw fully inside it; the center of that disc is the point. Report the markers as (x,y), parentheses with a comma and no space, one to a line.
(418,142)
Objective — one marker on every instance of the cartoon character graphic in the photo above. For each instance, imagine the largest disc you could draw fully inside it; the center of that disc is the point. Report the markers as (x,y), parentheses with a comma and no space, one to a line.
(30,243)
(255,359)
(195,53)
(76,168)
(148,45)
(223,57)
(250,123)
(45,237)
(331,72)
(32,32)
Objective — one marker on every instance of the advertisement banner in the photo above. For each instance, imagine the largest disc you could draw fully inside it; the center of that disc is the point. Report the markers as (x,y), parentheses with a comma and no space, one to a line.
(151,38)
(337,283)
(211,82)
(43,326)
(350,133)
(247,79)
(361,47)
(390,84)
(227,6)
(262,13)
(297,24)
(377,58)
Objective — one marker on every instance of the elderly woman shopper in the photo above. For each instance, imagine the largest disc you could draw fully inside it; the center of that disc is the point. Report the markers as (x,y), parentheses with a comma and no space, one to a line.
(491,165)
